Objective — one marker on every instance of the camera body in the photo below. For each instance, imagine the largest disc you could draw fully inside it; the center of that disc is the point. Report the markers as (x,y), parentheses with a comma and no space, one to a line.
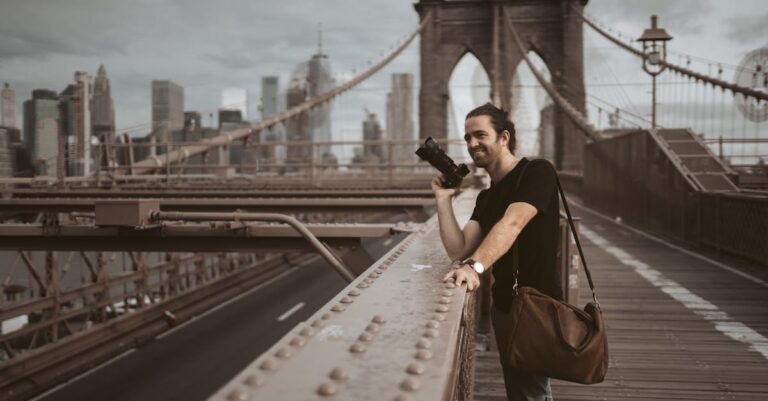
(431,152)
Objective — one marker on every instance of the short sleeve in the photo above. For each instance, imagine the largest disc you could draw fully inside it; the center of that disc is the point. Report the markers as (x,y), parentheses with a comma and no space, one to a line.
(537,186)
(479,205)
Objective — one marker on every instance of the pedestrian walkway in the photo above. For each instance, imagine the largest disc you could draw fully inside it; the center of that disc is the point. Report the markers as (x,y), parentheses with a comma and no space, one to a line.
(679,327)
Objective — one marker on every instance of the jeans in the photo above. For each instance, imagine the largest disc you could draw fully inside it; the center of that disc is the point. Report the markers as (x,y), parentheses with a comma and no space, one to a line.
(520,386)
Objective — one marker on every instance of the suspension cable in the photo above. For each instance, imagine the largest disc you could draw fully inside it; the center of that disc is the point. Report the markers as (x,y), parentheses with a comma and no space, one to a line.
(573,114)
(682,70)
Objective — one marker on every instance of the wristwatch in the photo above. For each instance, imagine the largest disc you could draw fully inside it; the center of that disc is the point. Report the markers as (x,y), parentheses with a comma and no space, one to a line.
(479,268)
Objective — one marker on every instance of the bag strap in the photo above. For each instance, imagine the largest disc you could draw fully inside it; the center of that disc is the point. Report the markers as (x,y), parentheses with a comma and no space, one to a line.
(515,250)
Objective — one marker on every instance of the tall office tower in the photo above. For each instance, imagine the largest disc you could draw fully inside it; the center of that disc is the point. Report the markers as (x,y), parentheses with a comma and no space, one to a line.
(372,153)
(41,131)
(297,128)
(167,110)
(7,153)
(320,81)
(7,107)
(75,103)
(235,99)
(102,107)
(270,106)
(400,117)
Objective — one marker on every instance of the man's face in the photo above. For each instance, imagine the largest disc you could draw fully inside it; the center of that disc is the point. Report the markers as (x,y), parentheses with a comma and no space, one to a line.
(483,142)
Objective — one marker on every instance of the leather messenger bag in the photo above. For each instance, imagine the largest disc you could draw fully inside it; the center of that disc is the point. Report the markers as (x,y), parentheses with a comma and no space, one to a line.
(552,338)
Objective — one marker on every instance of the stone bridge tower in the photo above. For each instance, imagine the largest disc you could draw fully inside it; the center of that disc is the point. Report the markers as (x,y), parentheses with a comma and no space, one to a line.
(550,28)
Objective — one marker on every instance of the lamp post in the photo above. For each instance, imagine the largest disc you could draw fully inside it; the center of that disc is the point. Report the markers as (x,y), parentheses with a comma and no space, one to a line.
(654,41)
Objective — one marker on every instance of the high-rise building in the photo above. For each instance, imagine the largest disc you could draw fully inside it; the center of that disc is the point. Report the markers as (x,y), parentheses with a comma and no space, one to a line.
(270,106)
(167,109)
(320,81)
(42,131)
(372,153)
(297,128)
(235,99)
(7,107)
(400,117)
(102,107)
(75,102)
(7,152)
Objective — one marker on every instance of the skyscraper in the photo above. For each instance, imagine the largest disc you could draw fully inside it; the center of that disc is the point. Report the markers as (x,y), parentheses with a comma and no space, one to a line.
(372,153)
(75,102)
(41,131)
(270,106)
(102,107)
(400,117)
(297,128)
(7,107)
(320,81)
(167,109)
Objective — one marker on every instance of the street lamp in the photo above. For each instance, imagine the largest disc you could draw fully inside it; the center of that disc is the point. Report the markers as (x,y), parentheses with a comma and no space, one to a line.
(654,41)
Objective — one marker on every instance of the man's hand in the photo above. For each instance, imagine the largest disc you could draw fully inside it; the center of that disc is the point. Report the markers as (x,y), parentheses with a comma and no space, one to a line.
(440,191)
(464,274)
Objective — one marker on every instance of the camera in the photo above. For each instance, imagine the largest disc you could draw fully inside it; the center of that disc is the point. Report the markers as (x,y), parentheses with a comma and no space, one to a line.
(431,152)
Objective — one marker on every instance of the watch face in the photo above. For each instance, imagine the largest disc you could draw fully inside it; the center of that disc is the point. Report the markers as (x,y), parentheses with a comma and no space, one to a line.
(478,267)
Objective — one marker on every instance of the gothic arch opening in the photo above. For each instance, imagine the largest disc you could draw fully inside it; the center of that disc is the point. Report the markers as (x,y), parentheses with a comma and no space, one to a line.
(469,86)
(532,110)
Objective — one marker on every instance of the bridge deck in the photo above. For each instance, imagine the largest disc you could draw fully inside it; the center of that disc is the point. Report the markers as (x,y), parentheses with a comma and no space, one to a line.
(679,327)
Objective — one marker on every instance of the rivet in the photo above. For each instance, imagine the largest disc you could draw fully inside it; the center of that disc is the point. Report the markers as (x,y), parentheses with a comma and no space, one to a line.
(297,342)
(306,332)
(269,365)
(237,395)
(423,354)
(339,374)
(378,319)
(318,324)
(447,293)
(450,285)
(433,324)
(353,293)
(362,285)
(374,275)
(415,368)
(379,271)
(326,389)
(372,328)
(365,337)
(283,353)
(410,384)
(254,381)
(438,317)
(357,348)
(326,316)
(423,343)
(444,300)
(346,300)
(441,309)
(430,333)
(403,397)
(368,281)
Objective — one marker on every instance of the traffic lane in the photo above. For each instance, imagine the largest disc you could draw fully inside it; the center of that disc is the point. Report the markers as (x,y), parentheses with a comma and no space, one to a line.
(193,362)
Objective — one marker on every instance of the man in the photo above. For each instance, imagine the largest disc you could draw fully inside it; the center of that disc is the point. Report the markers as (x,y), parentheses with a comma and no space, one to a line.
(503,215)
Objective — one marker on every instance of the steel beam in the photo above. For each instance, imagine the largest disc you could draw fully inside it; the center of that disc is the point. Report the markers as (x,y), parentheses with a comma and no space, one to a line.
(170,237)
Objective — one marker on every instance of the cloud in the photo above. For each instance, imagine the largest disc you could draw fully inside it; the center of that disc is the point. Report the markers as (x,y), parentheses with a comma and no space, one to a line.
(686,16)
(748,28)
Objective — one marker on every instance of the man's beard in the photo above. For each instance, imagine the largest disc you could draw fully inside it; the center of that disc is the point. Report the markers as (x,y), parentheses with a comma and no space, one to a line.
(482,160)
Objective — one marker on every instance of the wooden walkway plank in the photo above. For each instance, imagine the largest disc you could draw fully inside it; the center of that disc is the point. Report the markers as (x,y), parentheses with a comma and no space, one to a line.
(679,328)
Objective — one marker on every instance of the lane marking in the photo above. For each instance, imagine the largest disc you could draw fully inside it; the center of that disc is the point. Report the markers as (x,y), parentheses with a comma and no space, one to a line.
(290,312)
(675,247)
(700,306)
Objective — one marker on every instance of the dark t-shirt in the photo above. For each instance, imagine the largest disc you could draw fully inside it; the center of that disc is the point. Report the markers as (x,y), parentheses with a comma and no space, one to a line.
(537,243)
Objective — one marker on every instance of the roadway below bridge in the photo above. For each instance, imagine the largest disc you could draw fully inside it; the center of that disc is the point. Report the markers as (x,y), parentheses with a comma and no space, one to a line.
(195,359)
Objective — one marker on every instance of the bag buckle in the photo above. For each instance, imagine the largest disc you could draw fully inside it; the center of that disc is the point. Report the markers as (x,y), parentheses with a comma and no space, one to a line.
(594,298)
(515,285)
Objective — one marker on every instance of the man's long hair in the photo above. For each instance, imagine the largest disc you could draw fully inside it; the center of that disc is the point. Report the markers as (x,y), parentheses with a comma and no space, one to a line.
(499,121)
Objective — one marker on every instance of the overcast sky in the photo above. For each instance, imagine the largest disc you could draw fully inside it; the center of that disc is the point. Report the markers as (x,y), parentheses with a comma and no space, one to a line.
(207,47)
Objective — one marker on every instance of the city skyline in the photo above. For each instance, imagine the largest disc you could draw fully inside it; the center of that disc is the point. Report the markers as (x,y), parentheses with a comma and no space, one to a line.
(205,64)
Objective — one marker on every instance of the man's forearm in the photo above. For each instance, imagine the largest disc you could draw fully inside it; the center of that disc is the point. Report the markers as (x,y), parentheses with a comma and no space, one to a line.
(498,241)
(450,233)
